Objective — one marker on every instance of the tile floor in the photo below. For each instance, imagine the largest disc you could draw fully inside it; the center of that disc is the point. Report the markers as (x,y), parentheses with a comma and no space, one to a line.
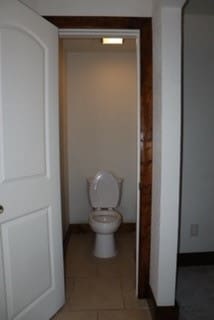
(101,289)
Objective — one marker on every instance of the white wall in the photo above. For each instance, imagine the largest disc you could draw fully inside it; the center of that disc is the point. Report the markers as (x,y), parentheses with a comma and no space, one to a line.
(166,150)
(198,151)
(30,3)
(136,8)
(102,126)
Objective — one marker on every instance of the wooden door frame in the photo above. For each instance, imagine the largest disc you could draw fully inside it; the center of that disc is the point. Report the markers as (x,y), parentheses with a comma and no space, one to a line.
(144,25)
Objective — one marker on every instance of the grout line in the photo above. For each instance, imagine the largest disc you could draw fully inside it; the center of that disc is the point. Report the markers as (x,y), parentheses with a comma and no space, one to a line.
(122,293)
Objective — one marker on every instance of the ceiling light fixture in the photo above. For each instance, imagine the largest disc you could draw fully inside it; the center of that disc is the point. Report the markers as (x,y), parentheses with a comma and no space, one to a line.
(112,40)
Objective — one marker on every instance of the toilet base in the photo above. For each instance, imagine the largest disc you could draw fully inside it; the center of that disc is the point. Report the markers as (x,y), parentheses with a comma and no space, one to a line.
(104,246)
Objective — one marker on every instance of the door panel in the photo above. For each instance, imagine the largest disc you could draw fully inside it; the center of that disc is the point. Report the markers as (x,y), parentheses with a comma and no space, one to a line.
(24,109)
(28,270)
(31,260)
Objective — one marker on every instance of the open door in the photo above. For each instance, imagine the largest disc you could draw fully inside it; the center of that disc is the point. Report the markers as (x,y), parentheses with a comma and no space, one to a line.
(31,260)
(144,25)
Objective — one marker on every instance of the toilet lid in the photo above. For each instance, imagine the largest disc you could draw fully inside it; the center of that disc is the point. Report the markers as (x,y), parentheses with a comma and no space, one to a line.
(104,190)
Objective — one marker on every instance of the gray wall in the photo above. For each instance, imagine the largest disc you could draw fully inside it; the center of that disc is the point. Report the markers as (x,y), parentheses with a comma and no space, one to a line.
(198,151)
(102,126)
(127,8)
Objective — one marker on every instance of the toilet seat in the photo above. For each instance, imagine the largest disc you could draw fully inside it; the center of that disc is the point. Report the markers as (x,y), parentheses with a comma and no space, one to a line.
(105,216)
(105,221)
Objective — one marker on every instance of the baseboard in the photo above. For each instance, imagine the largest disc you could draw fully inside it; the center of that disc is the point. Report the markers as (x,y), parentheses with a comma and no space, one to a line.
(162,313)
(195,259)
(127,227)
(80,228)
(84,227)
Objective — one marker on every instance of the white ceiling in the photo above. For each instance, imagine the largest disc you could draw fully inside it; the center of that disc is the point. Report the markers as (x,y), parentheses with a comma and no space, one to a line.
(200,7)
(93,44)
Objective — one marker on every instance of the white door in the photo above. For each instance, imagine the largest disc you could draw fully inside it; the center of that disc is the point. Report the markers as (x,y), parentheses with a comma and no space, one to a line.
(31,263)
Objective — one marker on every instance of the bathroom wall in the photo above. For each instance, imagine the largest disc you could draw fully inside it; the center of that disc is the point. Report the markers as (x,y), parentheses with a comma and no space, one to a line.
(102,126)
(198,153)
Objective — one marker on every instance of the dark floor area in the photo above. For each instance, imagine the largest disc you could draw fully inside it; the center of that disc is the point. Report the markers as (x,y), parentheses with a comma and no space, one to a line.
(195,292)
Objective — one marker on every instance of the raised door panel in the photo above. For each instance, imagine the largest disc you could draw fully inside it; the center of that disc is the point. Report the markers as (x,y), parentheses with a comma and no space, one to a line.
(23,105)
(27,260)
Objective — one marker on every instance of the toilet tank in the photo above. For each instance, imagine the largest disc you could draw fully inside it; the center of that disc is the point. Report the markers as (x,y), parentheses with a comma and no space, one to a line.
(104,190)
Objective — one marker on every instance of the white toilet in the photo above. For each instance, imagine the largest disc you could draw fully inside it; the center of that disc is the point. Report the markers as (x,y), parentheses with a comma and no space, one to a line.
(104,192)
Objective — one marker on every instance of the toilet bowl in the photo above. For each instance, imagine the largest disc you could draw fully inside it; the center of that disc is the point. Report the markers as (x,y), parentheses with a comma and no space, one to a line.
(104,192)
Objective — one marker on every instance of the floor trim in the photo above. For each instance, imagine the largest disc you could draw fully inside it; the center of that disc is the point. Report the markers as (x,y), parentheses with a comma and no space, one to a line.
(84,227)
(162,313)
(195,259)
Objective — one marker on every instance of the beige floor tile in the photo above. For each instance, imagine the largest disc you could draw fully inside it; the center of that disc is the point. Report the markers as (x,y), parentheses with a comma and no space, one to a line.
(79,260)
(128,282)
(80,266)
(131,302)
(102,284)
(80,245)
(128,268)
(69,287)
(96,293)
(118,266)
(126,242)
(109,268)
(125,315)
(77,315)
(129,295)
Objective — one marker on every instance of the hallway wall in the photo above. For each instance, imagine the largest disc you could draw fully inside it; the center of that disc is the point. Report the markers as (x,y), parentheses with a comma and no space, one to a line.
(166,149)
(198,153)
(127,8)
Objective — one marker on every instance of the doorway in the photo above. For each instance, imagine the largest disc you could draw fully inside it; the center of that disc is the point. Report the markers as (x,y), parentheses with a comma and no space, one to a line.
(144,25)
(100,121)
